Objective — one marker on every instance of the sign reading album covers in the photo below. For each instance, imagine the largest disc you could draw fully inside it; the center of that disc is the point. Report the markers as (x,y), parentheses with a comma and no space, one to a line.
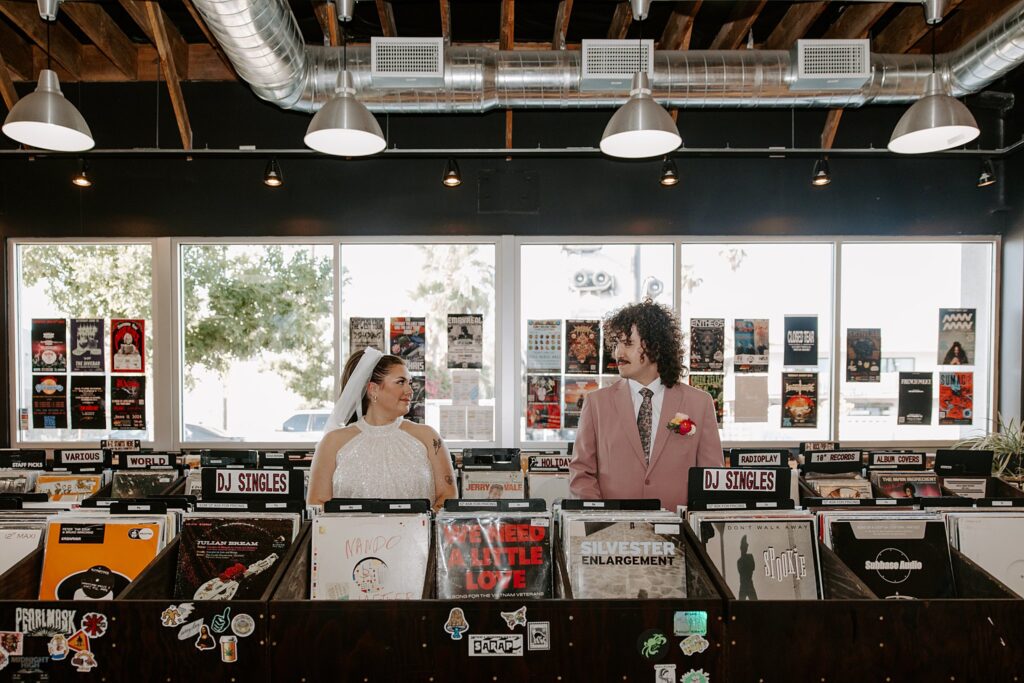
(365,332)
(127,403)
(49,402)
(956,336)
(713,385)
(915,406)
(49,345)
(127,345)
(408,342)
(799,400)
(88,402)
(751,342)
(581,346)
(87,344)
(956,398)
(707,344)
(544,346)
(801,347)
(576,389)
(465,340)
(863,354)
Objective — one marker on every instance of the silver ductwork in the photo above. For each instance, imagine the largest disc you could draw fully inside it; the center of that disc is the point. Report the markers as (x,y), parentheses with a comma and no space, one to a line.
(262,40)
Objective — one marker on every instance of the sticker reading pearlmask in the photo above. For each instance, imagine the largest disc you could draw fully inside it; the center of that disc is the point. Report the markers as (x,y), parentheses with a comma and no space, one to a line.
(695,676)
(516,618)
(693,645)
(690,623)
(456,624)
(243,625)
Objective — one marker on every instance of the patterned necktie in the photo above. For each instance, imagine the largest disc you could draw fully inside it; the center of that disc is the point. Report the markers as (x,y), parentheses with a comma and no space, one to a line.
(643,422)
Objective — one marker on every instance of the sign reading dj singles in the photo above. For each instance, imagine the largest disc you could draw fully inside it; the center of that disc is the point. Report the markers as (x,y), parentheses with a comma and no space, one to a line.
(87,338)
(228,484)
(708,485)
(127,345)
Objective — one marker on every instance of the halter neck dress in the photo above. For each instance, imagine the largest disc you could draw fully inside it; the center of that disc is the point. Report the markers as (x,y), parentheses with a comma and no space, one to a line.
(383,461)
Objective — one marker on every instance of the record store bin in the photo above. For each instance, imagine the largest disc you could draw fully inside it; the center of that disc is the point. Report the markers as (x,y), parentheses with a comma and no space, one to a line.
(432,639)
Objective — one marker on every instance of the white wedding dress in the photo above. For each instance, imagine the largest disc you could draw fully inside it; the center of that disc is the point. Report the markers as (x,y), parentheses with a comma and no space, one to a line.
(383,462)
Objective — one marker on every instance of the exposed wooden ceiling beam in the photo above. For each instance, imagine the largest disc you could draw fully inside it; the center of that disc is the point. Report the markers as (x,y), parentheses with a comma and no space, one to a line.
(971,18)
(16,53)
(621,20)
(64,47)
(828,133)
(177,47)
(561,24)
(507,37)
(679,28)
(7,91)
(795,24)
(387,18)
(210,38)
(446,21)
(105,34)
(327,17)
(905,30)
(856,20)
(170,70)
(735,30)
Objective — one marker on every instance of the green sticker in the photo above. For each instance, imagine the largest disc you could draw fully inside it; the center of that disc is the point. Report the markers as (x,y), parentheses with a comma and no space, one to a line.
(695,676)
(690,623)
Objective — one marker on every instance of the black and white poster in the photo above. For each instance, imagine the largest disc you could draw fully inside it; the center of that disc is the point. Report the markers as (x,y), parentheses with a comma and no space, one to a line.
(707,344)
(127,403)
(801,344)
(957,328)
(49,401)
(417,407)
(799,400)
(87,344)
(915,407)
(49,345)
(88,402)
(127,345)
(863,354)
(465,340)
(366,332)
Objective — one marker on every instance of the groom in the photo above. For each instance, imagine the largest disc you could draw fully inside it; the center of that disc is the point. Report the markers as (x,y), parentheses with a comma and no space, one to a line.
(623,447)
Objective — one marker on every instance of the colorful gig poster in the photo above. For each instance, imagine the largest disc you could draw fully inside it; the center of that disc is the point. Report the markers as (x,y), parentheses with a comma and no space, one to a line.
(87,344)
(49,402)
(365,332)
(863,354)
(956,336)
(543,345)
(956,398)
(751,340)
(800,400)
(707,344)
(801,341)
(915,405)
(581,350)
(88,402)
(127,403)
(543,416)
(714,385)
(465,340)
(576,389)
(408,342)
(49,345)
(127,345)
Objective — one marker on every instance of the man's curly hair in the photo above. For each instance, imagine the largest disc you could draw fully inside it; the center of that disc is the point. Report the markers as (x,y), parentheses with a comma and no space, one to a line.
(660,333)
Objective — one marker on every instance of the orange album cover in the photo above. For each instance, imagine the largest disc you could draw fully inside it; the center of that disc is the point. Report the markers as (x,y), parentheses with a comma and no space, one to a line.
(68,487)
(95,559)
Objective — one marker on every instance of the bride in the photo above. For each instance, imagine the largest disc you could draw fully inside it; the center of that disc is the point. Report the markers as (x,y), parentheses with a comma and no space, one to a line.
(369,450)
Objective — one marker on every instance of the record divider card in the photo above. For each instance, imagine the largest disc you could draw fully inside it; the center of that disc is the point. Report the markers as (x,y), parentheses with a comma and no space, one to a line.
(724,488)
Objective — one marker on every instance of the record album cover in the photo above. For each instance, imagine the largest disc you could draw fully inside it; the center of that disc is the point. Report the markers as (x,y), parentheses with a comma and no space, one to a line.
(544,346)
(799,400)
(483,556)
(915,402)
(408,342)
(493,484)
(88,402)
(983,538)
(957,329)
(863,354)
(362,557)
(366,332)
(87,336)
(17,544)
(139,484)
(956,398)
(68,487)
(907,484)
(707,344)
(127,345)
(465,340)
(801,340)
(751,341)
(49,345)
(897,558)
(581,346)
(15,482)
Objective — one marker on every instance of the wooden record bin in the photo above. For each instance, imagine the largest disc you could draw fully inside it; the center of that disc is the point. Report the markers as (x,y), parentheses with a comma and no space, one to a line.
(851,635)
(155,652)
(405,640)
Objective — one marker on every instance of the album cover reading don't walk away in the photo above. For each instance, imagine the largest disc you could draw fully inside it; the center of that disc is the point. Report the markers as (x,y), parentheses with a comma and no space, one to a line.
(369,557)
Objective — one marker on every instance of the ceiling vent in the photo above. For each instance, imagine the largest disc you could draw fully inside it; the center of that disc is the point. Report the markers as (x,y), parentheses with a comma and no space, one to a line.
(404,62)
(611,64)
(831,64)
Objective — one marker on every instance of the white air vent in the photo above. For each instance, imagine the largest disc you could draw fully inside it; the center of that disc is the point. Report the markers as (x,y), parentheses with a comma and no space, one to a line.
(831,64)
(611,64)
(401,62)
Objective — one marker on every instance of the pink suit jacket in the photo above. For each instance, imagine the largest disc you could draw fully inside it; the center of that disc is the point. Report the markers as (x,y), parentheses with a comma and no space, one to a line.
(608,460)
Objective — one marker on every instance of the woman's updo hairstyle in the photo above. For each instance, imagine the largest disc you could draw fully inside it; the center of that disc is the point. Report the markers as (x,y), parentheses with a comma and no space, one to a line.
(380,371)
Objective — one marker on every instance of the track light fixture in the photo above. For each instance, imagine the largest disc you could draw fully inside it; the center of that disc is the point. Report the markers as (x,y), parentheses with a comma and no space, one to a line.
(82,179)
(987,176)
(669,173)
(452,177)
(821,175)
(272,176)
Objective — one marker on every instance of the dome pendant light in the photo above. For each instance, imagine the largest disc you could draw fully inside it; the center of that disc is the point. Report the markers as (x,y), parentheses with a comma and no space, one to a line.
(640,128)
(272,176)
(987,176)
(669,173)
(82,179)
(821,175)
(452,177)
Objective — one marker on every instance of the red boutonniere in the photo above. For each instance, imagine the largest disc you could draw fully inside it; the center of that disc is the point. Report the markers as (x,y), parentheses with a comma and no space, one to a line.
(682,424)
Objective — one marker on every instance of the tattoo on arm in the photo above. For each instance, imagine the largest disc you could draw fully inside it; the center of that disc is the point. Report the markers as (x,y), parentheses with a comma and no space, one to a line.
(437,445)
(448,480)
